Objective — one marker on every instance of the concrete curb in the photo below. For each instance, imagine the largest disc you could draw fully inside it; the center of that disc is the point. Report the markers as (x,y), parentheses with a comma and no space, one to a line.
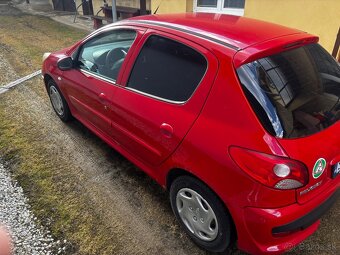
(12,84)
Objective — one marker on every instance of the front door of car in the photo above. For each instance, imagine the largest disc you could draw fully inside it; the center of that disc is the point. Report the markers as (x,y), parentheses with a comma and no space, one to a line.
(167,82)
(91,85)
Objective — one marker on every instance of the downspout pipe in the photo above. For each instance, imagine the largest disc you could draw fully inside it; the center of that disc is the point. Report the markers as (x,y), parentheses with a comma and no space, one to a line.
(114,11)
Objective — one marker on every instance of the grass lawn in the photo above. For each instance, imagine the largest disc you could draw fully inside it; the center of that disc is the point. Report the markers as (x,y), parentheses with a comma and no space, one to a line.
(25,38)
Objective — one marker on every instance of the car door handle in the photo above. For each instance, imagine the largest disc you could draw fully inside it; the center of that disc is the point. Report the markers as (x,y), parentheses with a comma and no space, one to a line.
(166,130)
(103,98)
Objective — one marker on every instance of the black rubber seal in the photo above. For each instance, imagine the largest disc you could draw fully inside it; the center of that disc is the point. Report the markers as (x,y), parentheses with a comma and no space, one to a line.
(307,220)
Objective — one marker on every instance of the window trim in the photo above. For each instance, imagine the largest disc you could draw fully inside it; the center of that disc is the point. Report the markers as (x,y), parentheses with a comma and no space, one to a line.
(158,98)
(187,31)
(161,98)
(100,77)
(219,9)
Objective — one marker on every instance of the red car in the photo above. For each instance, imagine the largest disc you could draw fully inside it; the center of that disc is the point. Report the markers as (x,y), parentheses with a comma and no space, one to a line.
(237,118)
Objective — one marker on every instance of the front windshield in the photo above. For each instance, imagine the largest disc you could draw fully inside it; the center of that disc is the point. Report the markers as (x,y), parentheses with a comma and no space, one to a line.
(294,93)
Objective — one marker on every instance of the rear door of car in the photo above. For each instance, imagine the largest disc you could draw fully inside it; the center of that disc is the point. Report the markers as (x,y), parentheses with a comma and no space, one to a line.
(163,90)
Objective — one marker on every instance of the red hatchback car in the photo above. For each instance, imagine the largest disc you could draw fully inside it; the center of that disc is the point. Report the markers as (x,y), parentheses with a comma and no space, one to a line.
(237,118)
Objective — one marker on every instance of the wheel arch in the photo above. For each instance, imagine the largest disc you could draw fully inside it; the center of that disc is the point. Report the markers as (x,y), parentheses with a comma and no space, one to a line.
(47,78)
(174,173)
(67,115)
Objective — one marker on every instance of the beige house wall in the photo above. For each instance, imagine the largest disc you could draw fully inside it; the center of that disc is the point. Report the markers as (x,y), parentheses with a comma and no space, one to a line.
(171,6)
(318,17)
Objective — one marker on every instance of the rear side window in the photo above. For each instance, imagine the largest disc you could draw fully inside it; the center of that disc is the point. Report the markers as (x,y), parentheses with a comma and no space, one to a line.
(167,69)
(294,93)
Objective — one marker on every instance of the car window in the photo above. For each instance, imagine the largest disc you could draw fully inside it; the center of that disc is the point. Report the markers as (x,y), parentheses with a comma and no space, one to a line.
(167,69)
(104,54)
(294,93)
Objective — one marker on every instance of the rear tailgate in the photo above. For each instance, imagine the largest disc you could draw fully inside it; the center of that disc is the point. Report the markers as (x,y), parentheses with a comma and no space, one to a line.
(320,152)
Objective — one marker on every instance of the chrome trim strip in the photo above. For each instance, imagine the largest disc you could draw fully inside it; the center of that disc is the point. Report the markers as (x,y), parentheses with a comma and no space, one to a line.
(182,29)
(132,89)
(111,81)
(155,97)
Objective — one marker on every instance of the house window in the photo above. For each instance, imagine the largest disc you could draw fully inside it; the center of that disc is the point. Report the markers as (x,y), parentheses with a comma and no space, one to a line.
(233,7)
(207,3)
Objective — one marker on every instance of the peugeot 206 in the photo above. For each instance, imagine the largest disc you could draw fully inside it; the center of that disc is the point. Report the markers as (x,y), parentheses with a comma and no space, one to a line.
(236,117)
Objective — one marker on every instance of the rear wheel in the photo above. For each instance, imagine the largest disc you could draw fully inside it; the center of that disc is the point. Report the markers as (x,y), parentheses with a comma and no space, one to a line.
(58,101)
(201,213)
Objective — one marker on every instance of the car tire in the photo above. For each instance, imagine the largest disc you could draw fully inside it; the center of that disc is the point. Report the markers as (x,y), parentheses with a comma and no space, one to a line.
(200,212)
(58,101)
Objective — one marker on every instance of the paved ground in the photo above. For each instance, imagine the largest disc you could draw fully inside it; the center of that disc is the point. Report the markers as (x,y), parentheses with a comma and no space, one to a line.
(44,8)
(79,187)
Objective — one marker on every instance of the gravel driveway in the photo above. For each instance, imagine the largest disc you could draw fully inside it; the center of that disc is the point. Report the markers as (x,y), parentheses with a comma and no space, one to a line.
(28,236)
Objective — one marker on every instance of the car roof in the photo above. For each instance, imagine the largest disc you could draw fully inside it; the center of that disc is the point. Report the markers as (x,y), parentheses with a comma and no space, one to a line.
(233,31)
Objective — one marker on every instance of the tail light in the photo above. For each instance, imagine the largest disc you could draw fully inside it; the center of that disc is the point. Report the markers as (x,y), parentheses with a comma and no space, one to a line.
(272,171)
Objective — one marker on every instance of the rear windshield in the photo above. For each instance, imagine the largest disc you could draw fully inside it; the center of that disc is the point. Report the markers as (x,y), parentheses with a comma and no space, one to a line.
(294,93)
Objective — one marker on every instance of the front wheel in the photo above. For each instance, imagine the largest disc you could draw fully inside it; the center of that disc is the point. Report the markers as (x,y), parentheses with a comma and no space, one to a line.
(58,101)
(201,213)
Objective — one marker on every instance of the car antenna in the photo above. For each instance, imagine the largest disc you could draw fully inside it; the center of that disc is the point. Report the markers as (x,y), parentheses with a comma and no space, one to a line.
(155,12)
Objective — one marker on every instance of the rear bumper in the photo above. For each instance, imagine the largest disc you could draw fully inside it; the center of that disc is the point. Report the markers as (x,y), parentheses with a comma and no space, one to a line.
(274,231)
(308,219)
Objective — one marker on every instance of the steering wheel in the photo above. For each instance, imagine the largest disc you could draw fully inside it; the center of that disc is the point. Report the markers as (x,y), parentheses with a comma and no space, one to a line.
(113,56)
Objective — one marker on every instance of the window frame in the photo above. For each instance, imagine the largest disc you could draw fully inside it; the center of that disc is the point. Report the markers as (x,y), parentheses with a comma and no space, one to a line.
(219,9)
(178,40)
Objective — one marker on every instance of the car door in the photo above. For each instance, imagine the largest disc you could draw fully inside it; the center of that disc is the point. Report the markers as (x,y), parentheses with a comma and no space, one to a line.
(165,89)
(92,83)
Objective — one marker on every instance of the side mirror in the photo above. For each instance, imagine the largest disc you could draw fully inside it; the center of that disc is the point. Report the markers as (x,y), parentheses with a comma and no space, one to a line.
(65,64)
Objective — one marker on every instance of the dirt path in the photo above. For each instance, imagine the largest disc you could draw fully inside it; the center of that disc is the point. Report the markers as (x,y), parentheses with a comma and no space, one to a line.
(81,188)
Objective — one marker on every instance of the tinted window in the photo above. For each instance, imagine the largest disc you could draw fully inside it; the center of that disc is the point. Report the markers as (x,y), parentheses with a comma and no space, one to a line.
(105,53)
(167,69)
(294,93)
(233,4)
(207,3)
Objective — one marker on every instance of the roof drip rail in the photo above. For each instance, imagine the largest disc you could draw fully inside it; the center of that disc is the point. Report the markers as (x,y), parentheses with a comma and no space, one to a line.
(183,29)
